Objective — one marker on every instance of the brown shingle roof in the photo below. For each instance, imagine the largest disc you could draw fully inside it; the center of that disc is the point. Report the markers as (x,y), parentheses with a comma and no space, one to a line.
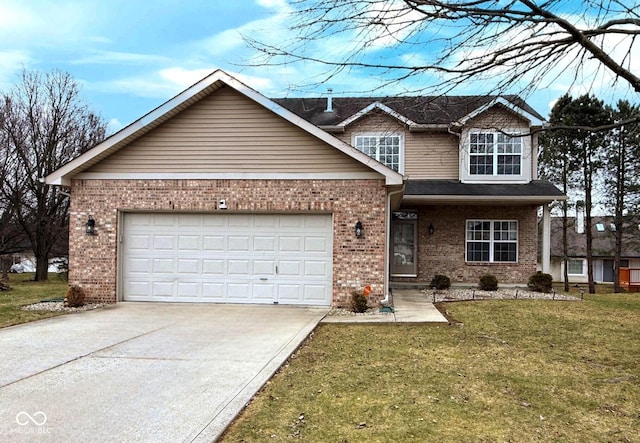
(419,109)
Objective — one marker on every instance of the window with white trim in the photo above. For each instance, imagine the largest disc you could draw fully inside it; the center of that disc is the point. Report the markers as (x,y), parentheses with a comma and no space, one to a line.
(385,148)
(492,241)
(575,267)
(494,154)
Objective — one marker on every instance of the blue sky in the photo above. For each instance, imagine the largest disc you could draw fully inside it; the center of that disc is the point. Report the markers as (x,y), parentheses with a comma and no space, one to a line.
(132,55)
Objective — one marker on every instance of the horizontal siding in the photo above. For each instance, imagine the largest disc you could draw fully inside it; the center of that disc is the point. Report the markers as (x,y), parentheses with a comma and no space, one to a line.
(428,155)
(498,117)
(227,132)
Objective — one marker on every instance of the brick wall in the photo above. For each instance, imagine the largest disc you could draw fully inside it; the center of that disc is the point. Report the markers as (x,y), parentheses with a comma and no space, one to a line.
(444,251)
(356,261)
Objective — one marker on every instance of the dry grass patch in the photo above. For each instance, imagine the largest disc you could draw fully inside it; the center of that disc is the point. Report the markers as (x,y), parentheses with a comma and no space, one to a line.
(510,370)
(25,291)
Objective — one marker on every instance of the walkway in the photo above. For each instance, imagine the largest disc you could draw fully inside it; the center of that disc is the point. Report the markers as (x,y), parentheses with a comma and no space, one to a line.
(410,306)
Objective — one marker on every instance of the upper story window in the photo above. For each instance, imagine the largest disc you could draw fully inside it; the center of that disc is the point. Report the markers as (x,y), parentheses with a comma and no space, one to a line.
(494,154)
(385,148)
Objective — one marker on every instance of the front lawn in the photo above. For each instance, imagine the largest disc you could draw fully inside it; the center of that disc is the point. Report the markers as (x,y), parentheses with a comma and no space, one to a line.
(510,370)
(24,292)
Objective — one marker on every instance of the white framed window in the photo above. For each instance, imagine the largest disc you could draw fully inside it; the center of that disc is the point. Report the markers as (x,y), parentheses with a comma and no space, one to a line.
(575,266)
(492,241)
(494,154)
(388,149)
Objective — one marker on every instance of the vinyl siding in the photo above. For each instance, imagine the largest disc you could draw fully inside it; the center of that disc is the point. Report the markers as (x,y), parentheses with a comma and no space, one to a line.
(227,132)
(427,155)
(500,118)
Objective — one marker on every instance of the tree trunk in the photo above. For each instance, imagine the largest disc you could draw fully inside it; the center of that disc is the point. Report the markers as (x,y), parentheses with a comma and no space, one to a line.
(42,267)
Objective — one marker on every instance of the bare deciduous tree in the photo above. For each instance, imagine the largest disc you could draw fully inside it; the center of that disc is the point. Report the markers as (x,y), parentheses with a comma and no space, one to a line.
(45,124)
(513,45)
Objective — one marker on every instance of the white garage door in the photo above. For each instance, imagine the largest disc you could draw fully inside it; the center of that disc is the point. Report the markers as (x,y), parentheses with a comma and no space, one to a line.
(232,258)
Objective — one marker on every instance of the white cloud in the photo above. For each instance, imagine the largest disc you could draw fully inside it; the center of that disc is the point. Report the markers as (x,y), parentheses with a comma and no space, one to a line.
(113,126)
(272,4)
(11,62)
(42,23)
(119,58)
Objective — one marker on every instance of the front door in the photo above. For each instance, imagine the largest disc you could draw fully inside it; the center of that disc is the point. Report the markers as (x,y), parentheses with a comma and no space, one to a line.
(404,246)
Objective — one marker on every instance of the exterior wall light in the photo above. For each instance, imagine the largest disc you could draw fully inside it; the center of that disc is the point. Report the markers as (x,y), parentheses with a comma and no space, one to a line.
(359,229)
(431,229)
(91,226)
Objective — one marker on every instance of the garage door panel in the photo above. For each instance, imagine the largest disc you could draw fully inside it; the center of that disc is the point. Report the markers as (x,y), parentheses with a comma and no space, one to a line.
(189,220)
(315,268)
(165,220)
(238,267)
(140,242)
(263,292)
(140,265)
(163,288)
(291,244)
(213,243)
(289,293)
(315,244)
(315,292)
(164,266)
(189,242)
(189,266)
(289,267)
(213,267)
(139,288)
(238,292)
(239,243)
(163,242)
(266,221)
(264,267)
(237,258)
(264,244)
(214,291)
(188,289)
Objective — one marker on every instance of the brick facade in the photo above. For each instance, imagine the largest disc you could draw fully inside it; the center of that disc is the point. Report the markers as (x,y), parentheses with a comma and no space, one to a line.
(444,251)
(93,260)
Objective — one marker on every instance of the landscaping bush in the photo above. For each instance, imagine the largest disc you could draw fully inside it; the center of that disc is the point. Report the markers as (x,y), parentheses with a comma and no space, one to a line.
(488,282)
(540,282)
(358,302)
(74,297)
(440,282)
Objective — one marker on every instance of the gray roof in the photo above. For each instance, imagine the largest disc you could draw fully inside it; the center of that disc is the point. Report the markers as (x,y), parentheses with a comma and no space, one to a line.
(603,241)
(420,109)
(538,188)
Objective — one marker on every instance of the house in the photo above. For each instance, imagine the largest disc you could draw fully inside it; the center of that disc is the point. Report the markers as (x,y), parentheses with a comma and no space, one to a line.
(224,195)
(603,231)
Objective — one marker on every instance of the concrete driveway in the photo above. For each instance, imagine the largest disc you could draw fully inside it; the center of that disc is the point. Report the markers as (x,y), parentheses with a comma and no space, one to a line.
(142,371)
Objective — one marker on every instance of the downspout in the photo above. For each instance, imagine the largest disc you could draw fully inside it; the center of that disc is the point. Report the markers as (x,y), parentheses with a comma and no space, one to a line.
(388,244)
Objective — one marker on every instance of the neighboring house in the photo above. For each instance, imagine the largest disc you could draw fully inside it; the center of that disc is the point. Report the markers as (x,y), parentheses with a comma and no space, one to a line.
(603,230)
(224,195)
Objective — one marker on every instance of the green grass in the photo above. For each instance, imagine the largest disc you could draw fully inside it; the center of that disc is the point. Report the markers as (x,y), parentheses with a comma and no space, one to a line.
(25,292)
(517,370)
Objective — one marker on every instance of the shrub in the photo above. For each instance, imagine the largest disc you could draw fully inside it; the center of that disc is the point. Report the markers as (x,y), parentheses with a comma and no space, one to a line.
(74,297)
(488,282)
(358,302)
(440,282)
(540,282)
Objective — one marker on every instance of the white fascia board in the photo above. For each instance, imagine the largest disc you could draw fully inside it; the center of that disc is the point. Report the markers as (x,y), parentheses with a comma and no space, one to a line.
(62,176)
(383,108)
(533,120)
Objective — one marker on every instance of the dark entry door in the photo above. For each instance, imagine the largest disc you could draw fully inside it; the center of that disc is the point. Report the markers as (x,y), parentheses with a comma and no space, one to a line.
(404,247)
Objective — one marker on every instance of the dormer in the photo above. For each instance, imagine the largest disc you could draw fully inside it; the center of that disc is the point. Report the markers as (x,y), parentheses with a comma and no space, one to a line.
(497,144)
